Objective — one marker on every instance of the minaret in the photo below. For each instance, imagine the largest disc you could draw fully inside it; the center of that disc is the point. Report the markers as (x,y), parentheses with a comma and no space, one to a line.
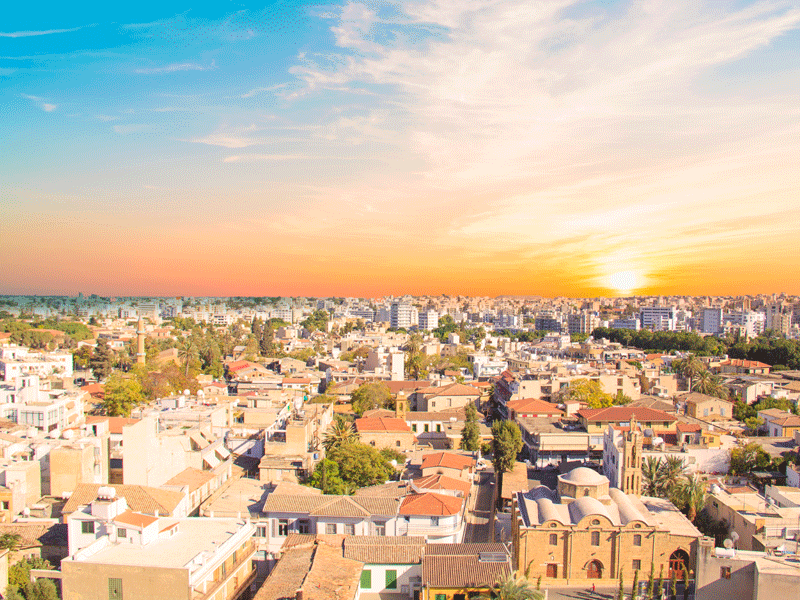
(140,353)
(631,473)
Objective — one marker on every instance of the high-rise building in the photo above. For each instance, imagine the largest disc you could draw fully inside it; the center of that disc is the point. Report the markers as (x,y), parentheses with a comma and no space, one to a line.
(401,314)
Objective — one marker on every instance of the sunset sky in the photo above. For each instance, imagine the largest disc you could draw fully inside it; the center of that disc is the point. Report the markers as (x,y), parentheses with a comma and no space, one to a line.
(479,147)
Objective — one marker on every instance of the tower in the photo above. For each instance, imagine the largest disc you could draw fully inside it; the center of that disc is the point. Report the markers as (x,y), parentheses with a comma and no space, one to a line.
(631,472)
(140,353)
(401,405)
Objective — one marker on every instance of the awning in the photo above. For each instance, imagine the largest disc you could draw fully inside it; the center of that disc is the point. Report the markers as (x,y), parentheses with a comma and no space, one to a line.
(222,452)
(211,459)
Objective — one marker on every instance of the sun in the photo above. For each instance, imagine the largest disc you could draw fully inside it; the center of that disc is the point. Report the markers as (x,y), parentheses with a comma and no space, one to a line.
(623,281)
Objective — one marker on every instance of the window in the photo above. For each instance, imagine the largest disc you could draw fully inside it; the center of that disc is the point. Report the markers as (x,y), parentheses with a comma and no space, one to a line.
(637,540)
(122,532)
(725,573)
(391,579)
(438,428)
(330,528)
(261,531)
(595,538)
(380,527)
(303,526)
(553,539)
(224,567)
(441,596)
(235,556)
(283,527)
(4,504)
(705,412)
(397,443)
(366,579)
(435,521)
(349,529)
(114,588)
(595,521)
(414,427)
(637,564)
(427,428)
(87,527)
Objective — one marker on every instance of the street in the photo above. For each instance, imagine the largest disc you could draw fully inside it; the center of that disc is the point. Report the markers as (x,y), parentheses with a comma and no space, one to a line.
(480,511)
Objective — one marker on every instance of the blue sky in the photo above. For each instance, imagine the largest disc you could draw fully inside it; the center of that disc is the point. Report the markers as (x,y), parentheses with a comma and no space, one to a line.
(550,146)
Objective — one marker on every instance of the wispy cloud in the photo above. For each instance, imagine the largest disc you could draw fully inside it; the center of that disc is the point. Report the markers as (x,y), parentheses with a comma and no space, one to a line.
(265,157)
(19,34)
(175,67)
(260,90)
(40,102)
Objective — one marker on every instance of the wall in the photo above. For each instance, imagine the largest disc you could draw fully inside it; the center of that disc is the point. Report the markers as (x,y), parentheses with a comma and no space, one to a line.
(87,581)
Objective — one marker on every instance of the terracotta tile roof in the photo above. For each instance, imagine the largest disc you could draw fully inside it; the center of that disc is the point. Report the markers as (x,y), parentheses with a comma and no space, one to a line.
(442,482)
(792,421)
(746,364)
(288,575)
(697,398)
(447,459)
(332,576)
(140,498)
(115,424)
(30,533)
(624,413)
(134,519)
(534,405)
(330,505)
(381,550)
(303,380)
(382,424)
(455,389)
(238,365)
(688,427)
(460,566)
(431,504)
(194,478)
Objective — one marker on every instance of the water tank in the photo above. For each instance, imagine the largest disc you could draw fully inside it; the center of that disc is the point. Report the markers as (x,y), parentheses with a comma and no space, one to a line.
(106,492)
(68,434)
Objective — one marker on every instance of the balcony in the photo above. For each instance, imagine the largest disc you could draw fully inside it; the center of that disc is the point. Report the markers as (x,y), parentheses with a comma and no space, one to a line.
(241,582)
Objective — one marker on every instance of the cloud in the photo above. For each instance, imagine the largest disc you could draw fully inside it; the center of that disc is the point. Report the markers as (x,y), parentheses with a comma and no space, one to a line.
(19,34)
(175,67)
(265,157)
(228,140)
(259,90)
(5,72)
(40,102)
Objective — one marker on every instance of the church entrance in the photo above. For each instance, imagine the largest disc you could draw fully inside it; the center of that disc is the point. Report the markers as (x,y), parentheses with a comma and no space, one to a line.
(594,570)
(678,562)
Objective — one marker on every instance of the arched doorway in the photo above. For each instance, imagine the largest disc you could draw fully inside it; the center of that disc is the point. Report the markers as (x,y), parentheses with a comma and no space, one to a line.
(594,570)
(678,562)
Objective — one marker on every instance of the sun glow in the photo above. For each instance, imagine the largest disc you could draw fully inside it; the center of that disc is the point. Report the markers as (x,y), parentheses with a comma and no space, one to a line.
(624,281)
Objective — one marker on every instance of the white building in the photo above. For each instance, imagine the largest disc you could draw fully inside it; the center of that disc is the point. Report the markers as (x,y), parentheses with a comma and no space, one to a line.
(26,402)
(658,318)
(402,315)
(428,320)
(19,360)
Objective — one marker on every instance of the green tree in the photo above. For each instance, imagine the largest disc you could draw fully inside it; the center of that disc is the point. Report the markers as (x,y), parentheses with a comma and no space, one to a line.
(689,368)
(11,541)
(651,582)
(659,590)
(710,385)
(122,395)
(747,458)
(588,391)
(318,320)
(101,361)
(339,432)
(652,476)
(371,395)
(416,361)
(513,587)
(41,589)
(187,351)
(361,465)
(506,444)
(673,585)
(327,478)
(470,434)
(19,574)
(635,586)
(621,589)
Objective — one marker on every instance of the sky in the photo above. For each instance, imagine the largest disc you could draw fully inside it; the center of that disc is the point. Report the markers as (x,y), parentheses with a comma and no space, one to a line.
(363,148)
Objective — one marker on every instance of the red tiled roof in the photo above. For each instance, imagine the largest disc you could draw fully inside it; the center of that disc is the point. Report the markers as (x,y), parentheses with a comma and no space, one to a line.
(447,459)
(455,389)
(688,427)
(135,519)
(238,365)
(296,380)
(624,413)
(533,405)
(115,424)
(431,504)
(381,424)
(442,482)
(746,364)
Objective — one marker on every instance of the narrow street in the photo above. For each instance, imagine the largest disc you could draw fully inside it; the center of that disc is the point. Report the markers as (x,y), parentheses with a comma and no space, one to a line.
(480,510)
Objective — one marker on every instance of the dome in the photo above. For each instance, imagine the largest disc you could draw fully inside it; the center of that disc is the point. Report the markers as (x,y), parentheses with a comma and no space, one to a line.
(583,507)
(583,476)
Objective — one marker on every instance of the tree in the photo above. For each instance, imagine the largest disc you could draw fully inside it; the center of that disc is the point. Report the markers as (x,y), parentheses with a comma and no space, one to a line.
(692,493)
(659,590)
(689,368)
(470,434)
(621,590)
(652,476)
(361,465)
(747,458)
(339,433)
(506,444)
(635,586)
(121,396)
(673,585)
(19,574)
(41,589)
(710,385)
(588,391)
(11,541)
(513,587)
(415,359)
(101,361)
(186,352)
(371,395)
(318,320)
(326,477)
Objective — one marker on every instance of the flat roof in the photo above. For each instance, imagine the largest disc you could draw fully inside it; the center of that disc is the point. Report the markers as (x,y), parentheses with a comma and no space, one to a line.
(195,535)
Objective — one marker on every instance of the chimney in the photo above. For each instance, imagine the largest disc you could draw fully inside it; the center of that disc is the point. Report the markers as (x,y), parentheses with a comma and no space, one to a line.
(298,595)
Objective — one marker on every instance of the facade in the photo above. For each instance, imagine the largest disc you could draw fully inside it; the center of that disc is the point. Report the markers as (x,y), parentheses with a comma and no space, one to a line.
(18,361)
(658,318)
(383,432)
(585,531)
(707,408)
(456,571)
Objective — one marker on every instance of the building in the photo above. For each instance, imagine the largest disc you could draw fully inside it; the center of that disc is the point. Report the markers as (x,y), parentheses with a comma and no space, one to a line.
(385,432)
(453,396)
(402,315)
(779,423)
(658,318)
(711,320)
(18,361)
(585,531)
(428,320)
(456,571)
(622,458)
(583,322)
(708,408)
(136,556)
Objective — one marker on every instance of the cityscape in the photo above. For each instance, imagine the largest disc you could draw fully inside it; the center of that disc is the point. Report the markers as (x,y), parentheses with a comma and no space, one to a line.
(400,300)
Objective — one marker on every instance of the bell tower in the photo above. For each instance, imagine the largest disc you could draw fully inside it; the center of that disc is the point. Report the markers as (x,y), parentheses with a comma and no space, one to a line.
(140,353)
(631,473)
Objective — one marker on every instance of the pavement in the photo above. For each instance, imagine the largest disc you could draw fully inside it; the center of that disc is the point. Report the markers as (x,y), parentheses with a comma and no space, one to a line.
(601,593)
(480,511)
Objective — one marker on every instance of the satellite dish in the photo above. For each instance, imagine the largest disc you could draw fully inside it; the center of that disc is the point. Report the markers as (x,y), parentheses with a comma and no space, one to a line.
(734,536)
(728,544)
(298,403)
(186,392)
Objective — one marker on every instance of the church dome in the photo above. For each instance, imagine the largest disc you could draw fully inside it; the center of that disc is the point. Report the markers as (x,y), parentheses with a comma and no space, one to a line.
(583,476)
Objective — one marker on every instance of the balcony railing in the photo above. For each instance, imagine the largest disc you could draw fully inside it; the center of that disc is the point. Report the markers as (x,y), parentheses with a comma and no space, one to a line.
(248,552)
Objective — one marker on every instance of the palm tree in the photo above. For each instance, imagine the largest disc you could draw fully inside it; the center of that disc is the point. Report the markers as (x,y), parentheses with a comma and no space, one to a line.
(710,385)
(690,368)
(513,587)
(693,495)
(672,471)
(11,541)
(652,476)
(186,352)
(339,433)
